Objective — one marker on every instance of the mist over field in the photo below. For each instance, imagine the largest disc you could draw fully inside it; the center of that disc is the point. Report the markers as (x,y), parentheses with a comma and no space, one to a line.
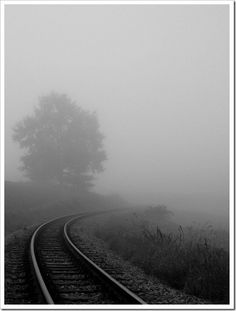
(157,77)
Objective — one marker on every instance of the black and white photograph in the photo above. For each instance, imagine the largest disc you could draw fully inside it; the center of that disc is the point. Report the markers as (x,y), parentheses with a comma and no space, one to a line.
(117,155)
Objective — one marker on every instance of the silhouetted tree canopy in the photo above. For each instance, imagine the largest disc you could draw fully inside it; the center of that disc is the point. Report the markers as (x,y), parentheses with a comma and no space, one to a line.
(63,143)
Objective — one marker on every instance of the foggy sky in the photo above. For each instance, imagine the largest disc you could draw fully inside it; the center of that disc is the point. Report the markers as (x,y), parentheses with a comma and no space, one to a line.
(156,75)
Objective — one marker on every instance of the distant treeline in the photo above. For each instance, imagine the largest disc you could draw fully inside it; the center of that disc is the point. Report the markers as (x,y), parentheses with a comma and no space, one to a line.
(28,203)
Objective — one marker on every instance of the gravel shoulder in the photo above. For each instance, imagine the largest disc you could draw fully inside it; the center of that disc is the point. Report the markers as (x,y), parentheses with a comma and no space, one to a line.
(19,288)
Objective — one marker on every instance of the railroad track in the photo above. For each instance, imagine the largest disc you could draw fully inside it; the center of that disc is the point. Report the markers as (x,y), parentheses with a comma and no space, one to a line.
(65,275)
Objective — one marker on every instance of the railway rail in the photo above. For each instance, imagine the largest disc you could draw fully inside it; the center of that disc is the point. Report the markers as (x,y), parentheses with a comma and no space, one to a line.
(65,275)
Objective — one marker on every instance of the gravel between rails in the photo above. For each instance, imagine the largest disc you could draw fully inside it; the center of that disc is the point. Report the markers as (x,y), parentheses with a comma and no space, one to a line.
(150,289)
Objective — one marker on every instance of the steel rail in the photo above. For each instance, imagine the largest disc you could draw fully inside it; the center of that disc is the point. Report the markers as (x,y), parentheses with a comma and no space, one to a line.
(99,271)
(39,277)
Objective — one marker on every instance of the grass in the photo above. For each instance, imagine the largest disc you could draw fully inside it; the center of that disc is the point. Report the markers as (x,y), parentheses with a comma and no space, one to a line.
(187,259)
(28,203)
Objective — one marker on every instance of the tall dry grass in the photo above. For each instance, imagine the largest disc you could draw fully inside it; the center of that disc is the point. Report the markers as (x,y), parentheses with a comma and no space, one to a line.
(187,259)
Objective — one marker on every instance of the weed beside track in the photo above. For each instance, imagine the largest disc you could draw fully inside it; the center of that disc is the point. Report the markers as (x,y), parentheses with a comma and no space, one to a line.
(184,259)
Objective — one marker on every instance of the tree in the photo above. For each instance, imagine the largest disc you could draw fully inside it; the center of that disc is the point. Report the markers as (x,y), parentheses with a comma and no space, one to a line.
(63,143)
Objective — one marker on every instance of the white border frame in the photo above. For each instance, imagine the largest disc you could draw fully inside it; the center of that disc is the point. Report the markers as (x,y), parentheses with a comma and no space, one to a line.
(231,305)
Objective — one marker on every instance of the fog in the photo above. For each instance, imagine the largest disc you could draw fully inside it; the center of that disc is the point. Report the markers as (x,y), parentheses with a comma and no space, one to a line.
(158,78)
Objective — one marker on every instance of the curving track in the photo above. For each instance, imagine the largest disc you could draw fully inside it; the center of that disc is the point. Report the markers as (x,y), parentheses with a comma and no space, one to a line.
(67,276)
